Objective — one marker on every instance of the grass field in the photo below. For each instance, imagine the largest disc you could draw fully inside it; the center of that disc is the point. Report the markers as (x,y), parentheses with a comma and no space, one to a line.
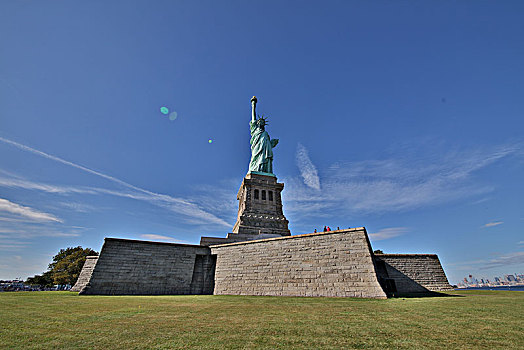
(467,320)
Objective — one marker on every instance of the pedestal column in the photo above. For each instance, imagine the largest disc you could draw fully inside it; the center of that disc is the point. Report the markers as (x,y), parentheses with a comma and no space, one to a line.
(260,206)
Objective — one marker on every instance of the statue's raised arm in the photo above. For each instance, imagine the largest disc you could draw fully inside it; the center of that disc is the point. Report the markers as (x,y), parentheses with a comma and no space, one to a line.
(261,144)
(253,108)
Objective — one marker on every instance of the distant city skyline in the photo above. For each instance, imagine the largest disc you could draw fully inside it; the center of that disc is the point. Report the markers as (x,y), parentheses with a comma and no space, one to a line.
(516,279)
(132,121)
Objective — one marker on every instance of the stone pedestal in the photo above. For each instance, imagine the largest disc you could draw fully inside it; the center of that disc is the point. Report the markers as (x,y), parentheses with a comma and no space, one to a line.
(260,207)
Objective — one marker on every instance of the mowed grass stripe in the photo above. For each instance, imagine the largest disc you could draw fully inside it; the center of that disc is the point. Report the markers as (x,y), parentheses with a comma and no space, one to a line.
(468,319)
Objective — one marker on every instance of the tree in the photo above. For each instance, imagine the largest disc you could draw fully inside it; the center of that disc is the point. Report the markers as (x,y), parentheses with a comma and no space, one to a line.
(65,267)
(68,263)
(378,251)
(44,280)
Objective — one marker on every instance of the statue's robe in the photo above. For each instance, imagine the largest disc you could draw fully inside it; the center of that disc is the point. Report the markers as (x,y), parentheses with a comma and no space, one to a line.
(261,149)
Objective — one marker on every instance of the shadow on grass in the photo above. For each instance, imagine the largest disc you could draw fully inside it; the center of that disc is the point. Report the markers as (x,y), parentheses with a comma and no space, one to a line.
(397,284)
(428,294)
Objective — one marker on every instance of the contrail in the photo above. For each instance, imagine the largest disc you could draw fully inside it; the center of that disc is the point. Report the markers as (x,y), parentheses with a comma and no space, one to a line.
(63,161)
(27,212)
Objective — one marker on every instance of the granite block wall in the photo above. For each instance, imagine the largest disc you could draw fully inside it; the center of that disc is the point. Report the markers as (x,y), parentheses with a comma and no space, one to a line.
(150,268)
(85,274)
(411,273)
(335,264)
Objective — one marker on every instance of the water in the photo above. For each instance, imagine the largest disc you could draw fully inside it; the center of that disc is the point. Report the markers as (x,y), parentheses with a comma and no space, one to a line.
(514,288)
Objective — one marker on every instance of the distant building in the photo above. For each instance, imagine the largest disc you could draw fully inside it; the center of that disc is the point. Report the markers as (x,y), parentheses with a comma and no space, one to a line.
(510,278)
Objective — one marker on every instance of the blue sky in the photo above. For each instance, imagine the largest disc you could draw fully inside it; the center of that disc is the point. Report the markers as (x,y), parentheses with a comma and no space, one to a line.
(403,117)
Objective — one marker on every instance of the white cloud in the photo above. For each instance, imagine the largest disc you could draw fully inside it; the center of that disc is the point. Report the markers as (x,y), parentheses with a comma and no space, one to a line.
(491,224)
(26,212)
(30,185)
(308,171)
(78,207)
(177,205)
(191,210)
(505,260)
(502,260)
(25,232)
(4,230)
(480,201)
(11,219)
(15,234)
(220,200)
(60,234)
(12,242)
(403,182)
(387,233)
(155,237)
(12,247)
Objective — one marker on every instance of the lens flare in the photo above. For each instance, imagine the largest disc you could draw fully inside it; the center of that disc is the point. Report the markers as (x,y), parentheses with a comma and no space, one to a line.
(210,141)
(173,115)
(164,110)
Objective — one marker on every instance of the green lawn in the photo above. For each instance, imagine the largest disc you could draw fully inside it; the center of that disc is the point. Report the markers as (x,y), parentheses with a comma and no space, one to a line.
(466,320)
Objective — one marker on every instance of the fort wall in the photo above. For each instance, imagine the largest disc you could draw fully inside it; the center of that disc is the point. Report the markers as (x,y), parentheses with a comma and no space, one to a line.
(85,274)
(151,268)
(335,264)
(411,273)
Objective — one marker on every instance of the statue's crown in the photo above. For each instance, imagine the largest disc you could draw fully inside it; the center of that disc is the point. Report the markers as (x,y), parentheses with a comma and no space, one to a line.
(262,119)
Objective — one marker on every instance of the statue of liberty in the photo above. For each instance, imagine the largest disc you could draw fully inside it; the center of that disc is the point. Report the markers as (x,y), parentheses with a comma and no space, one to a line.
(261,145)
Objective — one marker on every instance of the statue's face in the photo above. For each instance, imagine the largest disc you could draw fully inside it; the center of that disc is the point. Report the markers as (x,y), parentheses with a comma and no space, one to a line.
(261,124)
